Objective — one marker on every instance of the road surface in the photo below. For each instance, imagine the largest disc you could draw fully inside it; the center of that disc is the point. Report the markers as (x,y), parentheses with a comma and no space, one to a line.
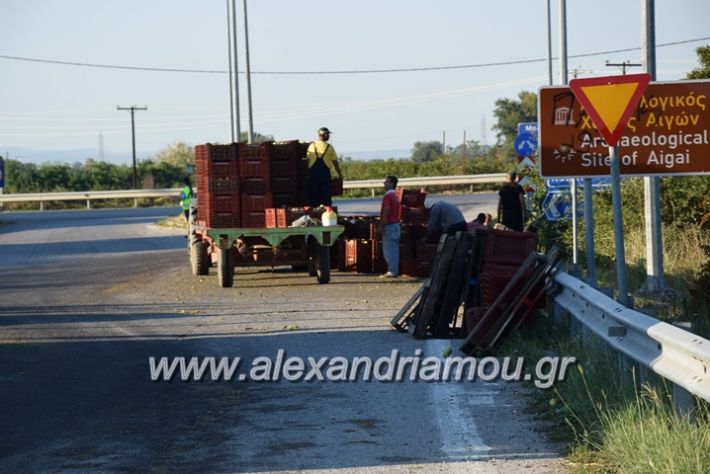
(88,296)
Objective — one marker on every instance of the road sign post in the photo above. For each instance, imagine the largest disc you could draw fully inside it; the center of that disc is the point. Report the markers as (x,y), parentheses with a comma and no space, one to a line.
(608,105)
(2,178)
(618,226)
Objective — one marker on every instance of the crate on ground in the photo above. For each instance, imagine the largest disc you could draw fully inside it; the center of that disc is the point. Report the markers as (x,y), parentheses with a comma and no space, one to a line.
(494,278)
(357,256)
(411,197)
(505,247)
(415,215)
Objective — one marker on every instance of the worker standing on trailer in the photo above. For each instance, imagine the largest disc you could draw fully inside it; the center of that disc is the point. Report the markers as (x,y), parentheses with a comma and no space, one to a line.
(323,167)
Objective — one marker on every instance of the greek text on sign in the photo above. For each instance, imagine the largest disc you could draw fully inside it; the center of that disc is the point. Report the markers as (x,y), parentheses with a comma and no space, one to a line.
(667,134)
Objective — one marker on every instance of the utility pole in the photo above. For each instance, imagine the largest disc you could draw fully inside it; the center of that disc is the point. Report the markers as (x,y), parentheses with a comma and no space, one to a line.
(234,115)
(248,71)
(549,44)
(655,279)
(623,65)
(133,109)
(443,142)
(463,154)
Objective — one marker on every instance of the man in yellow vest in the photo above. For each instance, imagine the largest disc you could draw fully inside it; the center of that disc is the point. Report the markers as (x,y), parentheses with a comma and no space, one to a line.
(323,167)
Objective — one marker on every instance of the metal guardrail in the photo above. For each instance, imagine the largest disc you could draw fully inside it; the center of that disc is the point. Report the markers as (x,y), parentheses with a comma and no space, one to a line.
(671,352)
(134,194)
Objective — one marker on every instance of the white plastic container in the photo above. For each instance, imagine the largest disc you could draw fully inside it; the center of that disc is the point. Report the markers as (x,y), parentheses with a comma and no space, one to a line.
(329,217)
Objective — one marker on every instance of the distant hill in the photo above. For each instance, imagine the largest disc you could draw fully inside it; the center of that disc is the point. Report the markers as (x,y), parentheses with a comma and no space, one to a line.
(28,155)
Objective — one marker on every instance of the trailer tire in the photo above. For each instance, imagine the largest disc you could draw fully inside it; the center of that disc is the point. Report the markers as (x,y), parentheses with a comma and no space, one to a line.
(225,268)
(199,258)
(323,266)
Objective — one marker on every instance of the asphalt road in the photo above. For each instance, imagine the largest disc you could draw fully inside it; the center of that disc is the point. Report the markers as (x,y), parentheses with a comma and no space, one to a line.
(86,297)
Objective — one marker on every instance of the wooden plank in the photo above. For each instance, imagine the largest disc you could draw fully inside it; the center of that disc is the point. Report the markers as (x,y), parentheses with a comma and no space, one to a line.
(400,319)
(430,304)
(456,281)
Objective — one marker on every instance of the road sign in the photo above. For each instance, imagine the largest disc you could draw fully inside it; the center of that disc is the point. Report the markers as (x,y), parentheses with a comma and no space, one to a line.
(610,101)
(525,144)
(2,173)
(667,135)
(527,127)
(561,183)
(557,205)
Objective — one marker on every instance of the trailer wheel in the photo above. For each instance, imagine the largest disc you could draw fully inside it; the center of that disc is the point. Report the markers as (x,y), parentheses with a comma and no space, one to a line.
(225,268)
(312,257)
(199,259)
(323,267)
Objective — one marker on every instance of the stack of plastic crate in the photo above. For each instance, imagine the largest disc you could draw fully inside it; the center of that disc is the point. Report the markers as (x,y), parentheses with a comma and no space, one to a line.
(218,198)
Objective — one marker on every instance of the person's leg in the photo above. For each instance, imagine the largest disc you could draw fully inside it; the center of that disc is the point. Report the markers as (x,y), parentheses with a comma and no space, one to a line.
(387,247)
(396,234)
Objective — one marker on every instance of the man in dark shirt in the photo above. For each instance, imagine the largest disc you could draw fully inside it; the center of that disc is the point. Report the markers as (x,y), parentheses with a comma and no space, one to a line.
(511,203)
(446,218)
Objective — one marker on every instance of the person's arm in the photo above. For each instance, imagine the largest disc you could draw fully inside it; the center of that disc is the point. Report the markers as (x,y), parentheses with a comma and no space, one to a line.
(500,207)
(336,163)
(384,214)
(521,196)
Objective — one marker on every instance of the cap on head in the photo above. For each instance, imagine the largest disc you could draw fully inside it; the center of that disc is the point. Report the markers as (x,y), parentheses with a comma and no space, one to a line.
(323,131)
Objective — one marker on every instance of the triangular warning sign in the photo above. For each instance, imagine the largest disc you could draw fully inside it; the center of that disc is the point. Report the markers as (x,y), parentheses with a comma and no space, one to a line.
(610,101)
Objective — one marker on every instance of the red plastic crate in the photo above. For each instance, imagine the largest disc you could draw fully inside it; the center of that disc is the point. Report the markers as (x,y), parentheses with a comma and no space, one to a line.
(415,215)
(284,184)
(410,197)
(286,151)
(288,169)
(253,219)
(285,199)
(221,220)
(217,185)
(255,185)
(357,256)
(505,247)
(256,202)
(218,203)
(210,152)
(494,278)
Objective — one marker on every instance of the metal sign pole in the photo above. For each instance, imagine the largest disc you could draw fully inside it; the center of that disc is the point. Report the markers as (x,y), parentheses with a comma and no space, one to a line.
(618,226)
(573,190)
(589,232)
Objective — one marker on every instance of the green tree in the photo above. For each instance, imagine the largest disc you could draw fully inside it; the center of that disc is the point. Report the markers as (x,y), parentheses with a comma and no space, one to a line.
(703,72)
(426,151)
(178,154)
(510,112)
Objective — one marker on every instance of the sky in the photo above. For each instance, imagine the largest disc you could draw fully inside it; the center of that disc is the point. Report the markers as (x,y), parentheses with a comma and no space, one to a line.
(45,106)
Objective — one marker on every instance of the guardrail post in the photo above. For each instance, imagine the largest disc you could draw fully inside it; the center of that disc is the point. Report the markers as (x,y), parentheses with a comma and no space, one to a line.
(41,205)
(88,204)
(372,192)
(683,400)
(135,202)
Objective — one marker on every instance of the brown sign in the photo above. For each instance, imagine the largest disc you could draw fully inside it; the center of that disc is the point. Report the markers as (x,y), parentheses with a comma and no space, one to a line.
(666,135)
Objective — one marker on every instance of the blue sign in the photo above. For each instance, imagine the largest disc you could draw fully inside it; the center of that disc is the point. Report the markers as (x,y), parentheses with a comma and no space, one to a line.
(527,127)
(564,184)
(526,144)
(557,205)
(2,173)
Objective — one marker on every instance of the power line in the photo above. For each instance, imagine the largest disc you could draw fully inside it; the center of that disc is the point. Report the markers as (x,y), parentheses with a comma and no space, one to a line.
(350,71)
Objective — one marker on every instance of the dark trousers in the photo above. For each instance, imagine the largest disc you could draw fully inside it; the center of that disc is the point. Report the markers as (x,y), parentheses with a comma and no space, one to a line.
(319,191)
(458,227)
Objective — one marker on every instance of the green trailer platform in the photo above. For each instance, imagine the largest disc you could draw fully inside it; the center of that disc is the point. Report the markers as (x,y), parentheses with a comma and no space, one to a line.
(306,248)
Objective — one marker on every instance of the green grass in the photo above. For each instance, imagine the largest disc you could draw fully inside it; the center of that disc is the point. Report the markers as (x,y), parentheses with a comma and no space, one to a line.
(611,422)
